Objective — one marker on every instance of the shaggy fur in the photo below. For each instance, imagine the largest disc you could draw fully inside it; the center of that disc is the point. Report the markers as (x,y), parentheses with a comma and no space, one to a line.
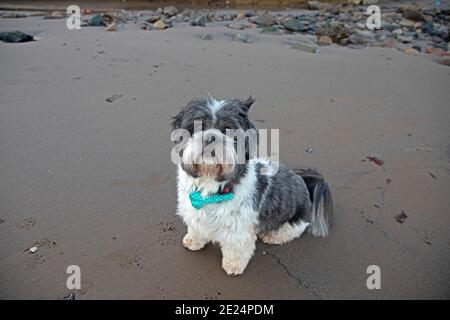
(272,202)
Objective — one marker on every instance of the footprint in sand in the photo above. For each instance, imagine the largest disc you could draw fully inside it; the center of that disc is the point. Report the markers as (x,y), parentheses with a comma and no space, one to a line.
(27,223)
(168,234)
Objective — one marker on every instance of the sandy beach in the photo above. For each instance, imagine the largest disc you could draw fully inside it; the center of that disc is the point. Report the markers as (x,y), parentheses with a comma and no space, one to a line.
(90,182)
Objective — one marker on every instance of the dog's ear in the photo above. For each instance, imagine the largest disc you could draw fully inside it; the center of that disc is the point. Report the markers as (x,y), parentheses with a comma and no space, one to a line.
(175,122)
(247,103)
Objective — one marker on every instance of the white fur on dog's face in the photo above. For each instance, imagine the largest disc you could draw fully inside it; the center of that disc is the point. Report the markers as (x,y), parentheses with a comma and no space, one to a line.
(212,160)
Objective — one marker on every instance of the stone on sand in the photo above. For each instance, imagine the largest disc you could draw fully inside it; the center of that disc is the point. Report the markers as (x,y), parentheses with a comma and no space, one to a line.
(264,20)
(411,51)
(324,41)
(170,11)
(15,37)
(293,24)
(160,25)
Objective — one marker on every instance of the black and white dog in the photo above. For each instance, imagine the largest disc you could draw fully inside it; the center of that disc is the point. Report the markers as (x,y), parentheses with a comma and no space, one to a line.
(272,202)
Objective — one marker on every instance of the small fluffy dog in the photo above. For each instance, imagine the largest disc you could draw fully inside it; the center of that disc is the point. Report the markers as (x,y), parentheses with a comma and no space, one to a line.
(232,203)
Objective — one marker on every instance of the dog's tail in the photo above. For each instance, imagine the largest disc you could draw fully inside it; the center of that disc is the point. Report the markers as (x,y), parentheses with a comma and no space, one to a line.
(322,202)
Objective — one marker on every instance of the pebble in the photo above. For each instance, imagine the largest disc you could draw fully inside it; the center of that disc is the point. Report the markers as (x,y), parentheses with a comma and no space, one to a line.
(206,37)
(33,249)
(160,25)
(305,46)
(324,41)
(111,27)
(411,51)
(170,11)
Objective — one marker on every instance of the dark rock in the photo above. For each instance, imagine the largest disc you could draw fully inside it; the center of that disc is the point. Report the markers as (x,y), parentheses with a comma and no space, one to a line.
(15,37)
(293,24)
(96,21)
(264,20)
(199,21)
(401,218)
(412,14)
(428,28)
(153,18)
(69,296)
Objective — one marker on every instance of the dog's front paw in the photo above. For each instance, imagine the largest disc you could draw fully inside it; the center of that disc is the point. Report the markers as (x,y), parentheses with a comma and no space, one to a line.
(192,243)
(234,267)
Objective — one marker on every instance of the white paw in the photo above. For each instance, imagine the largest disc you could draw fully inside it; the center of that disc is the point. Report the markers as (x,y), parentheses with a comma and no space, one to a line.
(234,267)
(191,243)
(271,238)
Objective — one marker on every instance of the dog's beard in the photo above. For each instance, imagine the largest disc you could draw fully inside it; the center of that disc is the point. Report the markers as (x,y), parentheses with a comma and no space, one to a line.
(215,160)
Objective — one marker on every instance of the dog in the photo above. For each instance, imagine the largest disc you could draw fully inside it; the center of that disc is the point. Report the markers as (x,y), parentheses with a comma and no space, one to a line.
(233,203)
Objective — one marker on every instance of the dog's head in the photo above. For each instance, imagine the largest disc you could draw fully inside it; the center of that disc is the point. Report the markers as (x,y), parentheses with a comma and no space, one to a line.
(218,137)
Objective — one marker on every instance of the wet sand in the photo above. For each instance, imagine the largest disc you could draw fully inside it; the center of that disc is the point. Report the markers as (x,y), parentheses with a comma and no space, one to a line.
(91,182)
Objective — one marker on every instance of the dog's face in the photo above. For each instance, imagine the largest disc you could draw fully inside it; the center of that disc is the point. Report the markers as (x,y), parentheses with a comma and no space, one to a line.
(212,149)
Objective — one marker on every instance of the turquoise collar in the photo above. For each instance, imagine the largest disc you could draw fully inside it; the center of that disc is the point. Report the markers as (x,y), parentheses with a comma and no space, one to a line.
(198,201)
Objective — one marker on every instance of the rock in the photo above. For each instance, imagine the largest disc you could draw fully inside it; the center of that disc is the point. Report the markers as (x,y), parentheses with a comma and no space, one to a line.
(15,37)
(199,21)
(397,32)
(412,14)
(388,26)
(96,21)
(428,28)
(265,20)
(33,249)
(69,296)
(111,27)
(293,24)
(316,5)
(153,18)
(411,51)
(235,26)
(170,11)
(405,39)
(435,51)
(241,16)
(206,36)
(444,62)
(160,25)
(324,41)
(369,2)
(245,38)
(113,98)
(107,19)
(358,39)
(305,46)
(335,30)
(401,218)
(55,15)
(407,23)
(271,30)
(13,15)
